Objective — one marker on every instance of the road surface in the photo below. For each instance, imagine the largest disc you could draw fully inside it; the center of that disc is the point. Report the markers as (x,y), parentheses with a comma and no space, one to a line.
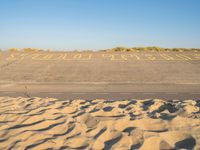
(110,75)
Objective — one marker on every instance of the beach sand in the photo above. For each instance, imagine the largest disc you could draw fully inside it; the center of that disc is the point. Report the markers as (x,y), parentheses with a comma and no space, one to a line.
(48,123)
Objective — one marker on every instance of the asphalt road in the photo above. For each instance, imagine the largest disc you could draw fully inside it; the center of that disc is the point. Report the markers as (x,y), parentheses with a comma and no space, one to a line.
(125,75)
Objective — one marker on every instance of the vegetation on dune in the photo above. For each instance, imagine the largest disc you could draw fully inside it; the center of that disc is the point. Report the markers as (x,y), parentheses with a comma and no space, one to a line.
(116,49)
(28,50)
(13,49)
(153,48)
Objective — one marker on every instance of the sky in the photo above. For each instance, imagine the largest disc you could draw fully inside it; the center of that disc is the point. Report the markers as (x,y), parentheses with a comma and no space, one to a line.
(99,24)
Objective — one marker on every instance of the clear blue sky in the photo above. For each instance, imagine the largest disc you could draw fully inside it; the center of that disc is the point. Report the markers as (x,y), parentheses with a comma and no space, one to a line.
(98,24)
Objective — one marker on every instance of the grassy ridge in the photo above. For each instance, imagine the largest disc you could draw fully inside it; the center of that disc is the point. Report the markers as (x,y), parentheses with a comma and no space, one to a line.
(124,49)
(116,49)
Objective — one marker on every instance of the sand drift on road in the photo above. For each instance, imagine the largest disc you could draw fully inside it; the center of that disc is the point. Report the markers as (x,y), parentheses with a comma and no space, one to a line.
(48,123)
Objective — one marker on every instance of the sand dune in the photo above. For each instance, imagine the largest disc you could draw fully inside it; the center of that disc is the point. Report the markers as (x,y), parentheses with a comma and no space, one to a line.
(47,123)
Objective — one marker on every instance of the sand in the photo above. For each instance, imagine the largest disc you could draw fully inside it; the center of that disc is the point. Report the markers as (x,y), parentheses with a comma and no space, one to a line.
(48,123)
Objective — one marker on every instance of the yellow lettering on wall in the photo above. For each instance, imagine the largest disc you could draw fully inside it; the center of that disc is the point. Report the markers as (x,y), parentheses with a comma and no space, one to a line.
(150,57)
(16,57)
(166,57)
(183,57)
(115,56)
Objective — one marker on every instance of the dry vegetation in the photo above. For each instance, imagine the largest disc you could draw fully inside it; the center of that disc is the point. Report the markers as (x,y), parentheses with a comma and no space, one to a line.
(124,49)
(116,49)
(24,50)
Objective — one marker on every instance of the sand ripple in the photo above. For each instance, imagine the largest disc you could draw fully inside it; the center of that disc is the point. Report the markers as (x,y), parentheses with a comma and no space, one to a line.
(47,123)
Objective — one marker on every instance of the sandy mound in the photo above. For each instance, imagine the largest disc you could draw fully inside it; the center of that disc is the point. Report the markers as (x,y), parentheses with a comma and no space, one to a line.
(36,123)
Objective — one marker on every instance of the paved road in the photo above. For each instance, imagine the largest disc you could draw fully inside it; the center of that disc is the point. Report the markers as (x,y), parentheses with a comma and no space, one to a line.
(170,75)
